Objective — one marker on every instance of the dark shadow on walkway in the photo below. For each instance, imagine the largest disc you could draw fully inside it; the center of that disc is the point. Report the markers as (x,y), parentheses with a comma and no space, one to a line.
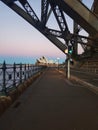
(53,103)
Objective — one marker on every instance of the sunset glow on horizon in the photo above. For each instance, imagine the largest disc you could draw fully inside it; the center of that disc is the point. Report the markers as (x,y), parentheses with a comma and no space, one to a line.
(19,38)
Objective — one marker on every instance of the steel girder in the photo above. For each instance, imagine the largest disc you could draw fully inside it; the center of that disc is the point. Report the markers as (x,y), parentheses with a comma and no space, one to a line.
(44,11)
(95,7)
(48,6)
(34,21)
(82,15)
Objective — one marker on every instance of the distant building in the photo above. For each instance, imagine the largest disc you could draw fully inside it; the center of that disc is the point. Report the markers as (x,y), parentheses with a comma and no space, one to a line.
(44,61)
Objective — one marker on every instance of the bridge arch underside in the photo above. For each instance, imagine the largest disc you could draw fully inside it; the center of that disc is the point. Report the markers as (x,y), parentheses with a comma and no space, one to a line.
(62,36)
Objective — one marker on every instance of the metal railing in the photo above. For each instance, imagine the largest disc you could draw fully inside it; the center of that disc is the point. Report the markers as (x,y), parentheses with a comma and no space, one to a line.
(13,75)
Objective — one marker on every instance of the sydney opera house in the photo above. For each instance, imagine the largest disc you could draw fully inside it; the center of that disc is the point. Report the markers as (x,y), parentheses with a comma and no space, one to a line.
(44,61)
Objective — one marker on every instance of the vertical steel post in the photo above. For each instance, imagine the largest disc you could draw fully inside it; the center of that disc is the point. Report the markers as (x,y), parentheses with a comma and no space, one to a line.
(58,62)
(37,69)
(68,67)
(4,77)
(28,71)
(32,69)
(25,72)
(14,80)
(68,61)
(20,72)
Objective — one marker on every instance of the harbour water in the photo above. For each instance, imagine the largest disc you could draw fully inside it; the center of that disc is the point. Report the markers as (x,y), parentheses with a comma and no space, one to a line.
(17,59)
(25,59)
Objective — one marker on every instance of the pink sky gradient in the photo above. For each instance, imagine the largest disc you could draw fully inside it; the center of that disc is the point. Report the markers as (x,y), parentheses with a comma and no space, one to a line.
(19,38)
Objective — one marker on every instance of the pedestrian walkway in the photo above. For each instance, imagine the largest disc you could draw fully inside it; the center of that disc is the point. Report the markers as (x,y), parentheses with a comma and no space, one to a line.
(53,103)
(86,76)
(89,80)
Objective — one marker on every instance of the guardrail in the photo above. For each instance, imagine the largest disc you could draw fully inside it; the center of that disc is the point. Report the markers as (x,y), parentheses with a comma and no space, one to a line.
(11,75)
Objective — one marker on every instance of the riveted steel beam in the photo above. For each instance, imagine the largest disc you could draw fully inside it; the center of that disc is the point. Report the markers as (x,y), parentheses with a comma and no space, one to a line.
(58,7)
(36,23)
(81,14)
(44,11)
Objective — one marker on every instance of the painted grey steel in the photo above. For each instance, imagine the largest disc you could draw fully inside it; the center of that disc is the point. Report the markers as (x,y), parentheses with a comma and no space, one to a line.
(81,14)
(58,7)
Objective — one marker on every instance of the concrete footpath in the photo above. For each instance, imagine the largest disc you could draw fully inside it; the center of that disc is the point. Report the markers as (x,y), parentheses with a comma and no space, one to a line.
(88,80)
(53,103)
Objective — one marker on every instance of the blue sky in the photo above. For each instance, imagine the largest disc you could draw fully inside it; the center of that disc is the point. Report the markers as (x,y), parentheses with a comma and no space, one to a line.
(19,39)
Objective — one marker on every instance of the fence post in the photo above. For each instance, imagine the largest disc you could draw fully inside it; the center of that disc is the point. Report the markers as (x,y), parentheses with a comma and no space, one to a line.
(28,70)
(4,77)
(20,72)
(38,69)
(25,72)
(32,69)
(14,80)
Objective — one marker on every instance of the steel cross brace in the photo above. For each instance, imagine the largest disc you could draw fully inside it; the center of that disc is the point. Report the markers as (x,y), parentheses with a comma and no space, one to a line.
(44,11)
(34,21)
(30,16)
(29,9)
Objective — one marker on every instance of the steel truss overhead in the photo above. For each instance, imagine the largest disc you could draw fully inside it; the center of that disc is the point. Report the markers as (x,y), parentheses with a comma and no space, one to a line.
(54,35)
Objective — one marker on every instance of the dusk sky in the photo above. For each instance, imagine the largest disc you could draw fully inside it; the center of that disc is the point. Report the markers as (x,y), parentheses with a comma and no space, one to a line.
(19,38)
